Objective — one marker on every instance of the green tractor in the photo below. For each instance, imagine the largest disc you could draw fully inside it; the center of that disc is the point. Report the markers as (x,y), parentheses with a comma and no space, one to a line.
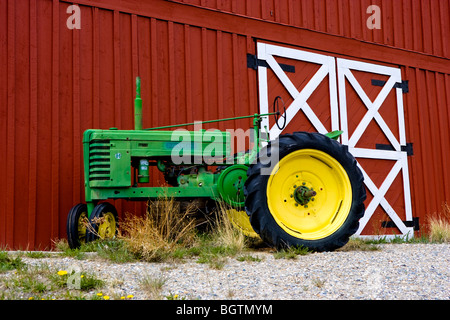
(301,189)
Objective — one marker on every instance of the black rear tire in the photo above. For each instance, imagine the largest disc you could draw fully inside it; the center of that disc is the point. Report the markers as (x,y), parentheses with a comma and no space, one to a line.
(256,201)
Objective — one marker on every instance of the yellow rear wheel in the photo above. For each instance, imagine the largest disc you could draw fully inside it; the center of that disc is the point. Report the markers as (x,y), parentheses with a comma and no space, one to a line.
(311,194)
(330,194)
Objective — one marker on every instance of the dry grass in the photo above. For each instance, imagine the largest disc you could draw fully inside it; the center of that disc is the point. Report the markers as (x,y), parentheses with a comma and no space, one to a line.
(152,286)
(439,225)
(162,230)
(167,232)
(357,244)
(225,234)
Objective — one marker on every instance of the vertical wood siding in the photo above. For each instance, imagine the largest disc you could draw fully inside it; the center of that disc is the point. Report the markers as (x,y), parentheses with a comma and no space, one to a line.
(427,123)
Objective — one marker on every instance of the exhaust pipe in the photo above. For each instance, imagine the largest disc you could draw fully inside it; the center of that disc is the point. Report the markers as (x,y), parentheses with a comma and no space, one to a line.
(138,106)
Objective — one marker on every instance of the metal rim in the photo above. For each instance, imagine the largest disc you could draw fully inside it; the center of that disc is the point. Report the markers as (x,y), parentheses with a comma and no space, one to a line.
(309,194)
(81,226)
(107,226)
(241,221)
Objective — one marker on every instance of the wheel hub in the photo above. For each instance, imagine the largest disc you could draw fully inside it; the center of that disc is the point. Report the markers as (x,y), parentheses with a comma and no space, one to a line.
(303,195)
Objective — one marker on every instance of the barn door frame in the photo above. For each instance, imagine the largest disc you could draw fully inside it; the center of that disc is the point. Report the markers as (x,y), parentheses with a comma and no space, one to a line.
(339,71)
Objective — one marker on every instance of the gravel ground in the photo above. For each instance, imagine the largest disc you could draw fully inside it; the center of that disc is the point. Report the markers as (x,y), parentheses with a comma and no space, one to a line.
(396,271)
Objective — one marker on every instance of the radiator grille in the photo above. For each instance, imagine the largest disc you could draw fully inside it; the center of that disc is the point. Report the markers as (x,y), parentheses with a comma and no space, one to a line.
(99,160)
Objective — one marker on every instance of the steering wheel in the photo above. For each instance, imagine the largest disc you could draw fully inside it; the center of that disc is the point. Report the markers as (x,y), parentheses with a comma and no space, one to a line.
(278,114)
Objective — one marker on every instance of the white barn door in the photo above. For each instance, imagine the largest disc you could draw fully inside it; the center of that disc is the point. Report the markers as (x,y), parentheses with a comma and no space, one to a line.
(394,151)
(366,132)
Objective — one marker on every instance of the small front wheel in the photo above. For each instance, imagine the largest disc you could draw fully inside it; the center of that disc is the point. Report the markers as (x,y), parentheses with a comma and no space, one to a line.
(103,222)
(76,225)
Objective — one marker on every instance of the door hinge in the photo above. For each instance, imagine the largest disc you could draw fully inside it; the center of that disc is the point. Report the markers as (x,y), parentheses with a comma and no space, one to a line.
(404,85)
(408,148)
(253,62)
(414,223)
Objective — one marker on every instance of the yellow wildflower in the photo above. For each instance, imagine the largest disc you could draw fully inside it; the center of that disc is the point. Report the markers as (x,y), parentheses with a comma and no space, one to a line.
(31,298)
(99,294)
(122,298)
(130,296)
(62,272)
(106,297)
